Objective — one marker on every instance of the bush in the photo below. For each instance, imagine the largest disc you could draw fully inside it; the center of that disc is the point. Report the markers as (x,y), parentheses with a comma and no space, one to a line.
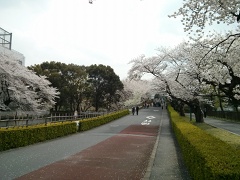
(90,123)
(205,156)
(23,136)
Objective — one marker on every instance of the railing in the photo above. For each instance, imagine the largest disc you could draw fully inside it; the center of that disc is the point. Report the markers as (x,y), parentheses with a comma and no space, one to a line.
(226,114)
(14,121)
(5,39)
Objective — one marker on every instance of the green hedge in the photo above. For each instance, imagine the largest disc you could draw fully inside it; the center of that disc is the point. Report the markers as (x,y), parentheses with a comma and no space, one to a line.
(205,156)
(23,136)
(90,123)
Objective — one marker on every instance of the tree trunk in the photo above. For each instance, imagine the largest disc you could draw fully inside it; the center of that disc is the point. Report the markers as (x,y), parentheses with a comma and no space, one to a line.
(197,111)
(96,106)
(199,114)
(220,104)
(236,108)
(181,109)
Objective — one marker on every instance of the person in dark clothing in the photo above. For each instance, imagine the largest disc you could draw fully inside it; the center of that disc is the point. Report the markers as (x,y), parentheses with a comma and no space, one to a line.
(137,109)
(133,110)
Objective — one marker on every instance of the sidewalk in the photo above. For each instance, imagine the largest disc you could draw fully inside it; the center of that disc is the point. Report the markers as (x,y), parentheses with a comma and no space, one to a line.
(166,160)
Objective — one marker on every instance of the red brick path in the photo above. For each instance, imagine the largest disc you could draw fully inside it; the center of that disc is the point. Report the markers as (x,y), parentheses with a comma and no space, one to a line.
(123,156)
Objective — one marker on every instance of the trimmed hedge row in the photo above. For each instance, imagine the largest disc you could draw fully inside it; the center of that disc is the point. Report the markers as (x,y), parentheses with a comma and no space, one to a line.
(205,156)
(90,123)
(23,136)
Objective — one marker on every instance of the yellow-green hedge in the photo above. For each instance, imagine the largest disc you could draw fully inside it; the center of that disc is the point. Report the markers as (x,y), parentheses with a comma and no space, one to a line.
(205,156)
(23,136)
(90,123)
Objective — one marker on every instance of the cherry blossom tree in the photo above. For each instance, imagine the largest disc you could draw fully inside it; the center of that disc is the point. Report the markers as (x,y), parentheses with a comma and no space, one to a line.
(197,14)
(207,65)
(221,67)
(138,91)
(220,51)
(22,89)
(190,72)
(176,74)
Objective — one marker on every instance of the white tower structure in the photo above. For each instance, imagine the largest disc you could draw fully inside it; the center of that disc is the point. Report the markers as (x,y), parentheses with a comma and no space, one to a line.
(6,47)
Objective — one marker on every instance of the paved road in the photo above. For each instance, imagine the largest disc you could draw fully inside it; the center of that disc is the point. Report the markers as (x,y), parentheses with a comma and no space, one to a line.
(233,127)
(230,126)
(18,162)
(124,149)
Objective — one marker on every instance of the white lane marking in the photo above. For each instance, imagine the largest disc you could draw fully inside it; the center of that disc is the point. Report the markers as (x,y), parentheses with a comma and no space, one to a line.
(146,122)
(150,117)
(114,125)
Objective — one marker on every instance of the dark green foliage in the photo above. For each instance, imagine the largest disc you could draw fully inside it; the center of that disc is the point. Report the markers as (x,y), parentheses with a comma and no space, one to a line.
(205,156)
(70,80)
(23,136)
(104,84)
(96,85)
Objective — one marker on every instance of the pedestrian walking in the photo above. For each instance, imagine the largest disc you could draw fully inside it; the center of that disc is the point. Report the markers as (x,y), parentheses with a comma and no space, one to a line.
(75,114)
(137,109)
(133,110)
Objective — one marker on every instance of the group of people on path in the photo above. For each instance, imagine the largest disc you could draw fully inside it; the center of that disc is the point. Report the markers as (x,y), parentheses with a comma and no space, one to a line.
(135,109)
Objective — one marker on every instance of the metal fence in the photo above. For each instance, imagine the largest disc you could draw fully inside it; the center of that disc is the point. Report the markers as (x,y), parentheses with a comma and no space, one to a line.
(226,114)
(17,121)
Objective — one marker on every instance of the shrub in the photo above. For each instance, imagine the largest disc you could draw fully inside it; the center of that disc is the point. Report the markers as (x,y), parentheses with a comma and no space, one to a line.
(205,156)
(90,123)
(23,136)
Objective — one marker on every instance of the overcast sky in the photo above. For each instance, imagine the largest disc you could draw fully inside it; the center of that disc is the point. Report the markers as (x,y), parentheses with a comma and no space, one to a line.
(109,32)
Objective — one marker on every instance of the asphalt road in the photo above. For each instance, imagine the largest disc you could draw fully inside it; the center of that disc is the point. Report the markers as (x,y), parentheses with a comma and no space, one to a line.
(230,126)
(129,139)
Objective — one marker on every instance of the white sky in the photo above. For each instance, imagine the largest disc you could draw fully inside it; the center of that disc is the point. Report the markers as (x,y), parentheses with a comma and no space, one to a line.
(109,32)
